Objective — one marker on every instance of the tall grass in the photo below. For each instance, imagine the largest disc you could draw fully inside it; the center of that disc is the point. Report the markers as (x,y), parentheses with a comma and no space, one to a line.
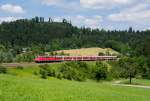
(14,88)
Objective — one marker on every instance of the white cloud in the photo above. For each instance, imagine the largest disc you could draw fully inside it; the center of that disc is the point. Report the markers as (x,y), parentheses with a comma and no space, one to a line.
(137,14)
(79,20)
(91,4)
(65,4)
(9,19)
(12,8)
(61,3)
(99,4)
(51,2)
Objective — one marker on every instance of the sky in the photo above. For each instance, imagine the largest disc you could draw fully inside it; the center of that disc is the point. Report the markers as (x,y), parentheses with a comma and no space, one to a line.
(106,14)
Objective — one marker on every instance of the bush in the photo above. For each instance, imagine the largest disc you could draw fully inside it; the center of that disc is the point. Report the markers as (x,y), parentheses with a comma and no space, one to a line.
(46,70)
(101,54)
(20,67)
(101,71)
(43,73)
(76,70)
(51,72)
(67,72)
(35,73)
(59,75)
(71,71)
(3,69)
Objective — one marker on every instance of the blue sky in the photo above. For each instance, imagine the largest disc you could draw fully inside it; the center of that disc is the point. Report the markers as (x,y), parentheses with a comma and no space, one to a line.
(107,14)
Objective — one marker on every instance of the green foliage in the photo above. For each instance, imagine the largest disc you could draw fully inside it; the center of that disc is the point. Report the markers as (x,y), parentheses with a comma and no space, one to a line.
(144,67)
(2,47)
(101,54)
(49,36)
(71,71)
(3,69)
(118,46)
(6,56)
(129,67)
(22,40)
(20,67)
(39,36)
(51,72)
(43,73)
(25,57)
(46,70)
(101,71)
(116,70)
(143,47)
(77,71)
(35,73)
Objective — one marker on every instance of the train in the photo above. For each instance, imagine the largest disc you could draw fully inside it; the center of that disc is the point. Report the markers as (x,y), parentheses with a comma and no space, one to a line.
(46,59)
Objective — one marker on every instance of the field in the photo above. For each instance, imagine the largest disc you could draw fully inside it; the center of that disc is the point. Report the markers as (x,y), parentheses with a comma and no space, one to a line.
(21,84)
(14,88)
(87,51)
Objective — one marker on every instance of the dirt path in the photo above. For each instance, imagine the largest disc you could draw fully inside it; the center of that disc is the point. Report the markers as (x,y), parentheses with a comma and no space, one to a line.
(117,83)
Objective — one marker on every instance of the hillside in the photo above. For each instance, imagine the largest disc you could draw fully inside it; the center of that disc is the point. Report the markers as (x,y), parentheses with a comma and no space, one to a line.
(38,36)
(88,51)
(14,88)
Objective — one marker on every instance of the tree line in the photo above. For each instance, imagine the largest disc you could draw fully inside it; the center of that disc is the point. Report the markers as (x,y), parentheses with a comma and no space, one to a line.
(38,35)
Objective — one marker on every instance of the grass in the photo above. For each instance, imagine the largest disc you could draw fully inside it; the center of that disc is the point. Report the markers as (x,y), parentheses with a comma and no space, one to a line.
(24,85)
(29,71)
(13,88)
(87,51)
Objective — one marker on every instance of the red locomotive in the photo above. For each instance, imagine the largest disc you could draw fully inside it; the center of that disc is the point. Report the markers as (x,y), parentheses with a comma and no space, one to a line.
(41,59)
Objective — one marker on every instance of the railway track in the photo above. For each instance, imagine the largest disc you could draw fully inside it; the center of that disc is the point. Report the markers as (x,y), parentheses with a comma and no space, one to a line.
(11,65)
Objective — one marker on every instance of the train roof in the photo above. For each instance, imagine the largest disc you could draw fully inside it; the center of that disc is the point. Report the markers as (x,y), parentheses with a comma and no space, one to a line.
(77,56)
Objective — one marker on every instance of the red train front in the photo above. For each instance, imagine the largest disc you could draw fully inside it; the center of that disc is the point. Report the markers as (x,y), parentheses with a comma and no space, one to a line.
(41,59)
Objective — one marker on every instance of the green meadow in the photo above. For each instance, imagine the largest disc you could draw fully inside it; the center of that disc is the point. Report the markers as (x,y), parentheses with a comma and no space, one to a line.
(24,84)
(13,88)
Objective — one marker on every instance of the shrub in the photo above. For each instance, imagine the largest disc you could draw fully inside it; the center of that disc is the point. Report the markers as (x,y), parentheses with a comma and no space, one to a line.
(44,66)
(46,70)
(20,67)
(43,73)
(3,69)
(67,72)
(101,71)
(35,73)
(101,54)
(71,71)
(51,72)
(59,75)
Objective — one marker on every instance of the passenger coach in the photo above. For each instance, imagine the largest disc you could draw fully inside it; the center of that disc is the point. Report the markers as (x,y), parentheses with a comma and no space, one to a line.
(41,59)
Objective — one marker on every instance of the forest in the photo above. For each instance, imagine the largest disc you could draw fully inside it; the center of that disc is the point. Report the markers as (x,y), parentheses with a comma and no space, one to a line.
(22,40)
